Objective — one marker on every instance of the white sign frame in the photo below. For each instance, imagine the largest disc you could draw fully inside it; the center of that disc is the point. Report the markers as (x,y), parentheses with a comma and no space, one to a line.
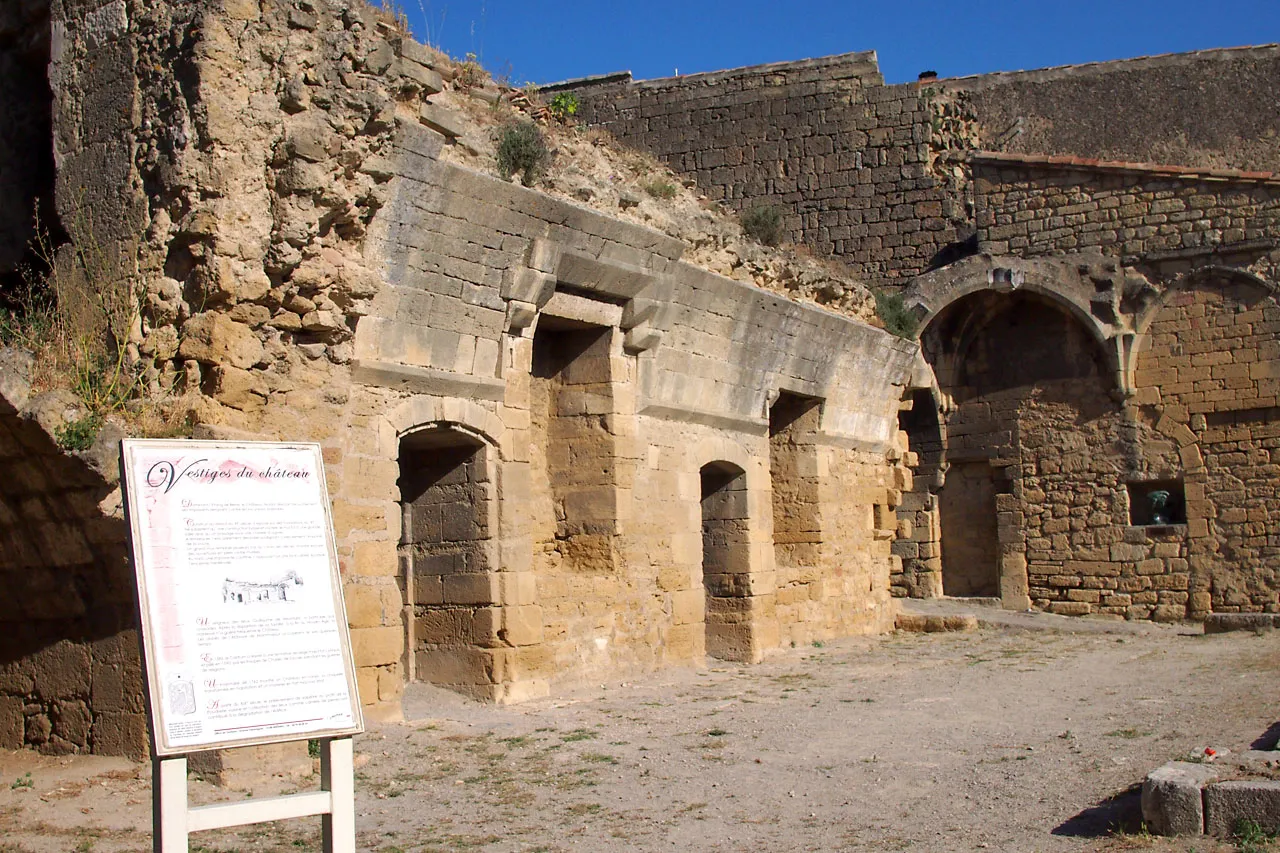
(194,465)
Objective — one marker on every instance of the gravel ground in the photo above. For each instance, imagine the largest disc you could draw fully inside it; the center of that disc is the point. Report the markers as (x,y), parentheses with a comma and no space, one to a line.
(1022,737)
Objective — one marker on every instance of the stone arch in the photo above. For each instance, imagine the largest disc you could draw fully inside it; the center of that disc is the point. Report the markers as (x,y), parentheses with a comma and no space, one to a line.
(1017,370)
(932,293)
(726,559)
(932,296)
(1208,275)
(422,411)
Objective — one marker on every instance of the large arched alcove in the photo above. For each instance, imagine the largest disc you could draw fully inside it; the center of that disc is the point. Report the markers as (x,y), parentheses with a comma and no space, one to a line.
(1029,420)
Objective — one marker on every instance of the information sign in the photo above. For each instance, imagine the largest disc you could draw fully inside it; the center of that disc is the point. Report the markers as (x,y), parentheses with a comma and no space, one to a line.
(243,624)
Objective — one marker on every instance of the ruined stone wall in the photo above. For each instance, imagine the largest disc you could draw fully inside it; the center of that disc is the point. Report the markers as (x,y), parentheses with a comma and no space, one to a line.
(1161,217)
(848,160)
(311,271)
(608,357)
(70,678)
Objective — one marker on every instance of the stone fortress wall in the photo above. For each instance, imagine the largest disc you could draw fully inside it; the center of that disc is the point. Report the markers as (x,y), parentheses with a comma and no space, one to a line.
(872,173)
(557,454)
(1091,251)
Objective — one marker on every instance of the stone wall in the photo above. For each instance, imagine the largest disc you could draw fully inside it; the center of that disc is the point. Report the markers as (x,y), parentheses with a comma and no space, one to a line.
(516,396)
(1207,109)
(875,174)
(1209,362)
(70,678)
(24,126)
(849,160)
(616,376)
(1158,216)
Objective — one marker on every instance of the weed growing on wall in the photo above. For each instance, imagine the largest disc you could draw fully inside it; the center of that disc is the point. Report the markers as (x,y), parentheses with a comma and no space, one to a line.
(893,312)
(471,75)
(522,148)
(77,318)
(661,189)
(563,107)
(763,223)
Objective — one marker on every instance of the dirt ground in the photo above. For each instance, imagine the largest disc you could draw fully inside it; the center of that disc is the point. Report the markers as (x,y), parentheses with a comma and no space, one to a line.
(999,739)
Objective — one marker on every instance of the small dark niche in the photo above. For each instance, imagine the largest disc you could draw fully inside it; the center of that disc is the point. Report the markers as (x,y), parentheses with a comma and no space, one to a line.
(1157,503)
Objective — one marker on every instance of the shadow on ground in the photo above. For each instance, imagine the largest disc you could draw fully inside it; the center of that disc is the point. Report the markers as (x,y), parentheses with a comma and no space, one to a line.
(1269,739)
(1119,813)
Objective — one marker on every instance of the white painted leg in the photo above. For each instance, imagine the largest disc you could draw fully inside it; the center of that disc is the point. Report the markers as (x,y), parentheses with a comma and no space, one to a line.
(169,804)
(337,776)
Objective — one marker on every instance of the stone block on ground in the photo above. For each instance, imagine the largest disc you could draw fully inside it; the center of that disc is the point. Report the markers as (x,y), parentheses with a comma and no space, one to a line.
(1221,623)
(1172,802)
(922,623)
(1227,804)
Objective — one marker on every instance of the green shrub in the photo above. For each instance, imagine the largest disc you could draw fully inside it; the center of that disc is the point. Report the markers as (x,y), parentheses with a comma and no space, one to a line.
(893,312)
(563,106)
(763,223)
(661,189)
(522,148)
(80,433)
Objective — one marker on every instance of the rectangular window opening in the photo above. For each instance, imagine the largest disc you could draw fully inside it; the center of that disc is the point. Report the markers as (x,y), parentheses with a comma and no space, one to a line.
(1153,503)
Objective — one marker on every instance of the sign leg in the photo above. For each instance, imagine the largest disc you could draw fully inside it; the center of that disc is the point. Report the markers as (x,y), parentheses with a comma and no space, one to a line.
(169,804)
(337,776)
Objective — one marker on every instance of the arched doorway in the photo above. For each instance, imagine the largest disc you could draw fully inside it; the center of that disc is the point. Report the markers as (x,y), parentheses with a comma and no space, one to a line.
(446,556)
(1031,429)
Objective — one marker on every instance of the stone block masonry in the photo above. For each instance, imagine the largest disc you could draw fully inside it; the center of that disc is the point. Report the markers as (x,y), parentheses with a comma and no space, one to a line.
(70,677)
(518,399)
(848,159)
(870,173)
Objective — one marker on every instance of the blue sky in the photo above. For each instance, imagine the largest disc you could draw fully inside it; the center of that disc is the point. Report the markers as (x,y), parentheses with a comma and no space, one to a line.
(543,42)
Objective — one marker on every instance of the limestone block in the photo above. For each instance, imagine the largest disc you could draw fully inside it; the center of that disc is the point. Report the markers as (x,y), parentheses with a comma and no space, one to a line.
(480,588)
(364,606)
(377,646)
(117,687)
(390,684)
(120,733)
(1228,803)
(239,389)
(441,120)
(213,338)
(522,625)
(375,559)
(428,80)
(455,667)
(11,722)
(1217,623)
(61,670)
(349,518)
(367,684)
(1172,802)
(688,606)
(684,642)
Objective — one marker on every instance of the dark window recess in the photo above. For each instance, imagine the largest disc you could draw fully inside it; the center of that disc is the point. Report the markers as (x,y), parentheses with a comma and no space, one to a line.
(1157,502)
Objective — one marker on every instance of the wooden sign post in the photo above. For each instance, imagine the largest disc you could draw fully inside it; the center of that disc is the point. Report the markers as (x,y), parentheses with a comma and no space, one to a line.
(244,630)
